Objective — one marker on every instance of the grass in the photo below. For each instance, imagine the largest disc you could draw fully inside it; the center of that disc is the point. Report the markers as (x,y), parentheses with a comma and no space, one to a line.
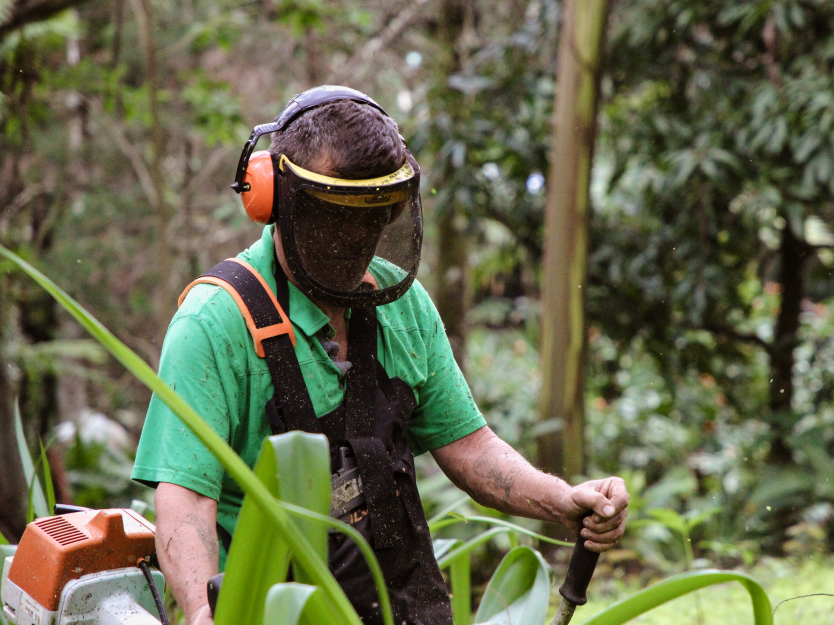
(730,603)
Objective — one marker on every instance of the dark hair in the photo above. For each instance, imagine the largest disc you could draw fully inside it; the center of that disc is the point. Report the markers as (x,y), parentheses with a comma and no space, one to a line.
(357,140)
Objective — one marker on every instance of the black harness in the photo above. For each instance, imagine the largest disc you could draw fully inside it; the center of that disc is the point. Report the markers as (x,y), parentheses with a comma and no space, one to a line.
(367,433)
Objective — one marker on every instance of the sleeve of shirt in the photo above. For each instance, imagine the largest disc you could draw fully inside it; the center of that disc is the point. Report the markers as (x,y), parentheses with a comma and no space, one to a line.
(198,364)
(445,411)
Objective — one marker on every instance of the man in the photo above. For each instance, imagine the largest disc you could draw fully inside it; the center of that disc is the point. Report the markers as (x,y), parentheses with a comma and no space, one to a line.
(369,365)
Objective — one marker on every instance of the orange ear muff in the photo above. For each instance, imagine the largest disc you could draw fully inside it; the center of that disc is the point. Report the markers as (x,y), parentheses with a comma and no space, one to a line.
(260,180)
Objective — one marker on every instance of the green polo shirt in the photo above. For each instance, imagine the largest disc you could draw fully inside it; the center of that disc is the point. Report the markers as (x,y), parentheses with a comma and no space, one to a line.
(209,359)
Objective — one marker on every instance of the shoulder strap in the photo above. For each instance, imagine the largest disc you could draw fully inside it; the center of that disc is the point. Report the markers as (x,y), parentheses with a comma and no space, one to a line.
(274,339)
(264,316)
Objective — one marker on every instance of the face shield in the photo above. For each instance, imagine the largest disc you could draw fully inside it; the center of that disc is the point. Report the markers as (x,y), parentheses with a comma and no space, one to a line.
(333,228)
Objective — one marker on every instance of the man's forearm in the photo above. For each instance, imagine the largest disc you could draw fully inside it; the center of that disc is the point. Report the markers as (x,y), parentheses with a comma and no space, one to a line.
(497,476)
(187,546)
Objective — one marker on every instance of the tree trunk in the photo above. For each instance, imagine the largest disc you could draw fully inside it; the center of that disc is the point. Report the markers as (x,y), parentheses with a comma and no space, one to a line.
(167,284)
(452,288)
(565,243)
(452,249)
(13,491)
(793,254)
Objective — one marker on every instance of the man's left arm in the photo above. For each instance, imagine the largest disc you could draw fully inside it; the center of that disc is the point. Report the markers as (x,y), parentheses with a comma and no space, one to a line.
(497,476)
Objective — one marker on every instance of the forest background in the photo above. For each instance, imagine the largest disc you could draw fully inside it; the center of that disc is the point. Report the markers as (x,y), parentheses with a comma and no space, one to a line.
(708,359)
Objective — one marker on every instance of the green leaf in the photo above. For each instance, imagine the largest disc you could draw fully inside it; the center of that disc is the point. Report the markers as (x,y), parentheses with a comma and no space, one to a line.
(670,519)
(304,479)
(47,479)
(519,590)
(457,557)
(448,509)
(697,518)
(3,539)
(295,467)
(459,518)
(37,501)
(442,546)
(297,604)
(470,545)
(237,469)
(677,586)
(460,580)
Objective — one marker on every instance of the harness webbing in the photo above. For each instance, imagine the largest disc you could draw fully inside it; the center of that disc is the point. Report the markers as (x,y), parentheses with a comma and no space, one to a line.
(292,409)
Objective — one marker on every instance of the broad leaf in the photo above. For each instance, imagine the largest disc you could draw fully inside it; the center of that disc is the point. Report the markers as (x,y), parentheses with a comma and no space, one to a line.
(518,592)
(297,604)
(679,585)
(37,501)
(442,546)
(47,479)
(304,479)
(260,555)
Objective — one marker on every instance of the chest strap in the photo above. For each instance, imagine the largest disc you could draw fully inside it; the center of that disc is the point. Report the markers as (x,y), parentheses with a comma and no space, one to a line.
(272,333)
(274,339)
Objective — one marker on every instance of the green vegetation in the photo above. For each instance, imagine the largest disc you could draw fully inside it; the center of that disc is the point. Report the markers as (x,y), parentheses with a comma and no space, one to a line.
(730,603)
(709,359)
(256,591)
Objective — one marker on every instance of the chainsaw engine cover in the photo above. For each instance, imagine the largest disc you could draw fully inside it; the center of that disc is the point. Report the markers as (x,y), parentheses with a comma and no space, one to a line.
(55,550)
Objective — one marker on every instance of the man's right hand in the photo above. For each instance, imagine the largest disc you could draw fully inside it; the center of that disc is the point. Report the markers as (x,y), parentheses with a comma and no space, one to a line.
(187,547)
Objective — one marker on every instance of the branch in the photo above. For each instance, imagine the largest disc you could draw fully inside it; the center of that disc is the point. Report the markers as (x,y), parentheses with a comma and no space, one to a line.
(357,64)
(769,36)
(730,333)
(24,12)
(127,148)
(22,199)
(215,159)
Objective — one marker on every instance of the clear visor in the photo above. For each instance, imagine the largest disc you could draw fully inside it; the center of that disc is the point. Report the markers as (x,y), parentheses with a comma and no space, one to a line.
(357,237)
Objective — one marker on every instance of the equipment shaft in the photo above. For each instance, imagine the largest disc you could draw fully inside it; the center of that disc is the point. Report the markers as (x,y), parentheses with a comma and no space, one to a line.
(565,613)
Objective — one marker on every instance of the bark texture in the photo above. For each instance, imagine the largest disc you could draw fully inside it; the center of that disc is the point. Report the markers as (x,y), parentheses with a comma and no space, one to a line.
(566,240)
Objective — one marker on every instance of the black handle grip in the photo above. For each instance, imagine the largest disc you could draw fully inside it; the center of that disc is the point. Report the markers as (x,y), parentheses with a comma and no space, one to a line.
(580,572)
(213,591)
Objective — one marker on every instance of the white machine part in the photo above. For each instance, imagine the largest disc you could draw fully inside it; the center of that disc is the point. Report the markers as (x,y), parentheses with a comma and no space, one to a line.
(86,567)
(117,597)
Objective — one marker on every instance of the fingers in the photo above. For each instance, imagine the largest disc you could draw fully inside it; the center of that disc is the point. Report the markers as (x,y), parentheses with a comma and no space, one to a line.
(599,547)
(606,525)
(604,538)
(615,489)
(588,499)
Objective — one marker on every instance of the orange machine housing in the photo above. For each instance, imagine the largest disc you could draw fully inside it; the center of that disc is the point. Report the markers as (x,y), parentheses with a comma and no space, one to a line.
(55,550)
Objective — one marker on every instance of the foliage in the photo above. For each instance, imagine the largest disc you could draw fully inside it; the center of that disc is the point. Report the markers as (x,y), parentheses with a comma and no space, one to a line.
(714,158)
(39,506)
(308,560)
(294,468)
(677,586)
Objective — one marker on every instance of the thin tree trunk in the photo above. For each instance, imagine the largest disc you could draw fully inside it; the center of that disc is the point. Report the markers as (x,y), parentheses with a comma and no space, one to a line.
(452,288)
(13,489)
(165,301)
(793,254)
(452,245)
(565,244)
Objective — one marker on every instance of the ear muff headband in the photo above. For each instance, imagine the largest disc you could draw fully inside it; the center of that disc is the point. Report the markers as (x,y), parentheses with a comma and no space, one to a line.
(255,177)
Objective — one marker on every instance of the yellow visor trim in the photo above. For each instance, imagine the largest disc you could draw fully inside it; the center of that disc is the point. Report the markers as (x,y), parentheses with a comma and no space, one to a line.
(404,173)
(364,200)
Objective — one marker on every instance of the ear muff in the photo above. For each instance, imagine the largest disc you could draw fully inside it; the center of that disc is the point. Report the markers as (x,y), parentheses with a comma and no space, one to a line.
(255,178)
(260,180)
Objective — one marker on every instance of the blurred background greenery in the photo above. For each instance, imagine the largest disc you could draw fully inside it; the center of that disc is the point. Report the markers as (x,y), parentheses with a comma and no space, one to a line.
(709,309)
